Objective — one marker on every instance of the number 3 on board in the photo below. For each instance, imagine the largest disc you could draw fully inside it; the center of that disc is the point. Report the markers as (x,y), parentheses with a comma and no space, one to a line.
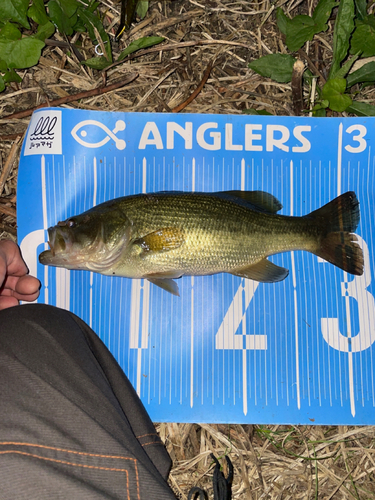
(357,290)
(362,143)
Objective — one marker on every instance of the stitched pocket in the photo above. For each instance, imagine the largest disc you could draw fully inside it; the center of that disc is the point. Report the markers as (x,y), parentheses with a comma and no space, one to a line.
(113,475)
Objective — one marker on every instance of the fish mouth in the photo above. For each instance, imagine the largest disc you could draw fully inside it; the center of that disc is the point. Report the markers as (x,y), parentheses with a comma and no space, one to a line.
(60,242)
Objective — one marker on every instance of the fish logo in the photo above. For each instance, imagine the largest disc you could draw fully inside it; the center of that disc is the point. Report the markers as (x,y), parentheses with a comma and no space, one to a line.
(80,137)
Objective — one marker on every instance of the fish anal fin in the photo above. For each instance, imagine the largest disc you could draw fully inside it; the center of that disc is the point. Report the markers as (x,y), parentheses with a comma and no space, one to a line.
(263,271)
(161,240)
(260,199)
(166,284)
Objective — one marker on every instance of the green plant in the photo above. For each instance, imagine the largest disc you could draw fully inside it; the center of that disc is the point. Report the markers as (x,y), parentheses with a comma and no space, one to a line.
(353,39)
(25,25)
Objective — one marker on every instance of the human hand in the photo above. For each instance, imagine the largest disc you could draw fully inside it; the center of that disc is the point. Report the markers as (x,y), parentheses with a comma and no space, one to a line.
(15,283)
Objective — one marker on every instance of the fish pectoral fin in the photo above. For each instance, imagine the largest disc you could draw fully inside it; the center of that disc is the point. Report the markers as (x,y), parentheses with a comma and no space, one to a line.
(265,202)
(166,284)
(263,271)
(162,240)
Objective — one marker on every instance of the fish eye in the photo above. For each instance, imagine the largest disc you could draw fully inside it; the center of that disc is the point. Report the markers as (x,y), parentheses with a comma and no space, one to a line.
(71,223)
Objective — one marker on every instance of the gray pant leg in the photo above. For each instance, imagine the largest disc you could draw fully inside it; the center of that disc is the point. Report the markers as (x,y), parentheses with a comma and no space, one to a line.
(71,424)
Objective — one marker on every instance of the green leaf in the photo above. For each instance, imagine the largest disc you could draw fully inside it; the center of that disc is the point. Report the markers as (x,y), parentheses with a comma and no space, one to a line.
(2,84)
(22,53)
(344,27)
(361,8)
(97,62)
(320,113)
(363,39)
(300,29)
(12,76)
(282,20)
(361,109)
(364,74)
(15,10)
(141,43)
(345,68)
(322,11)
(3,66)
(142,8)
(69,7)
(79,25)
(37,12)
(333,91)
(92,6)
(60,18)
(91,20)
(10,32)
(279,67)
(321,105)
(44,31)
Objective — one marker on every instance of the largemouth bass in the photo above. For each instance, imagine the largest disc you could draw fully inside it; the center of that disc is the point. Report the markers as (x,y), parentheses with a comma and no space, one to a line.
(167,235)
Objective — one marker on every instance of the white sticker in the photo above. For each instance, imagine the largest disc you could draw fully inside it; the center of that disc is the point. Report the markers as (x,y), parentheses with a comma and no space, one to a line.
(44,134)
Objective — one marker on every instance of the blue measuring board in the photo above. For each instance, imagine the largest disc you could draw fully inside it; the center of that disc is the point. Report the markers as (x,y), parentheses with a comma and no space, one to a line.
(228,349)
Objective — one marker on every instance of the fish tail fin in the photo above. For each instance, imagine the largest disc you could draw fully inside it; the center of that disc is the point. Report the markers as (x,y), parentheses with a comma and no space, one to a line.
(342,250)
(338,245)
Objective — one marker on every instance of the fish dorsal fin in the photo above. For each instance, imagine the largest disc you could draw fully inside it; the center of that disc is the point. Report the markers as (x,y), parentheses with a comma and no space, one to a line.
(263,271)
(162,240)
(260,199)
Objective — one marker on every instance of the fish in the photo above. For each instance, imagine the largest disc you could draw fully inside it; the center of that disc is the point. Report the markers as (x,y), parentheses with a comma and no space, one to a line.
(165,235)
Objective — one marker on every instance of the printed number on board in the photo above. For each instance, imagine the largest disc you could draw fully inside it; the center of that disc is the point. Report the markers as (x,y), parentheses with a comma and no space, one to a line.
(356,289)
(227,336)
(359,143)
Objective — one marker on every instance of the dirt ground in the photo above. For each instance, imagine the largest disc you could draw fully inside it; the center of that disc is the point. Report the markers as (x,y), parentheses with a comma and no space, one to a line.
(209,45)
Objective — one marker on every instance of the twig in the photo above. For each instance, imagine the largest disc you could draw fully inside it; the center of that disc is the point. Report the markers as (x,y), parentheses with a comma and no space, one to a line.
(311,65)
(254,94)
(340,484)
(297,94)
(8,166)
(5,210)
(8,229)
(140,26)
(75,97)
(9,138)
(146,96)
(167,23)
(174,46)
(196,91)
(312,96)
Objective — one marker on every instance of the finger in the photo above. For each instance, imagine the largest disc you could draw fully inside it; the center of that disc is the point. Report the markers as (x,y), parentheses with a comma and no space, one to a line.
(8,301)
(8,294)
(11,255)
(27,285)
(26,298)
(24,288)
